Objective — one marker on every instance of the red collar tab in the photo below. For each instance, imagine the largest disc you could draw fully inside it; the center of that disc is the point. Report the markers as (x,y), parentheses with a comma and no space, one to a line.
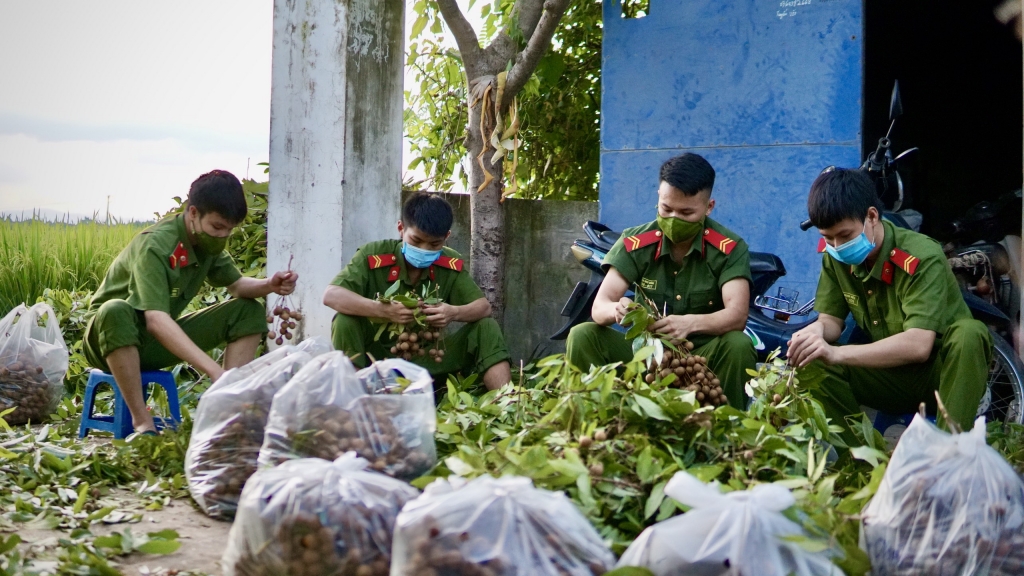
(381,260)
(905,261)
(642,240)
(179,257)
(393,273)
(723,243)
(431,271)
(450,263)
(887,272)
(821,245)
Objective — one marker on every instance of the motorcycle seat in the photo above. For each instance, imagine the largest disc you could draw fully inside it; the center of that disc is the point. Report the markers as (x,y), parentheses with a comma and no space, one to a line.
(765,263)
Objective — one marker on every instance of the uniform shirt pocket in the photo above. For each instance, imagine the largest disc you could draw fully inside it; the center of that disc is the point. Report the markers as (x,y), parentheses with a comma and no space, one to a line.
(704,301)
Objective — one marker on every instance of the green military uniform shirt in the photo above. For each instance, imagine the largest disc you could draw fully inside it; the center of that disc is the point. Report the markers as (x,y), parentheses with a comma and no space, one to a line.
(377,265)
(909,286)
(693,286)
(159,270)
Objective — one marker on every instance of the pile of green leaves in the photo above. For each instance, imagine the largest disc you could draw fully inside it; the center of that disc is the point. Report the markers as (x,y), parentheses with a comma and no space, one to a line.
(51,480)
(611,442)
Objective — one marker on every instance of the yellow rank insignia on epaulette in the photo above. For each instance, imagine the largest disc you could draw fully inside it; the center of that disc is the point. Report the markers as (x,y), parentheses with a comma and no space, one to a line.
(381,260)
(638,241)
(449,263)
(904,260)
(723,243)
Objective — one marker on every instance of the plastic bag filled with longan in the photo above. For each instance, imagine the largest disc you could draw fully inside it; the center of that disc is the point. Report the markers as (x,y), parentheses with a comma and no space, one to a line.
(948,504)
(495,527)
(740,532)
(384,413)
(229,423)
(33,363)
(312,517)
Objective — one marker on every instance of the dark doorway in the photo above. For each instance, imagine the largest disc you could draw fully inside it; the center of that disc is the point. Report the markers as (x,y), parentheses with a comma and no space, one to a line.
(960,77)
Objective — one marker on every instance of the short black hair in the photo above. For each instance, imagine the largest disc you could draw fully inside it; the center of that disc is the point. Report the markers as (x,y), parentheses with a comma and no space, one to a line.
(220,192)
(841,193)
(688,173)
(429,212)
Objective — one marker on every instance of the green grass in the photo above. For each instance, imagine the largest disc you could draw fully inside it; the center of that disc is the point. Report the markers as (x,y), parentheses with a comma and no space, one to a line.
(35,255)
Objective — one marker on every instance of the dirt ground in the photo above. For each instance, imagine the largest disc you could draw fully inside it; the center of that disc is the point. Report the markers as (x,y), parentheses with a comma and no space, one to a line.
(203,539)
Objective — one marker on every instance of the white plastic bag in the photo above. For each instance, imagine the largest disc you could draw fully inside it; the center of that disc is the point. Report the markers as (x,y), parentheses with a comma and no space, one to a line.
(312,517)
(496,527)
(33,363)
(329,409)
(948,504)
(726,534)
(228,429)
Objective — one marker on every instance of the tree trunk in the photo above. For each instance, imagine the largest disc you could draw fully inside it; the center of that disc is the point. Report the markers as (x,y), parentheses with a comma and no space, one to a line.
(487,247)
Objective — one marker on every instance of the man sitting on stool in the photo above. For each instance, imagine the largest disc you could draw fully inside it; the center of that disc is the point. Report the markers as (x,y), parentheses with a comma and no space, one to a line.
(135,324)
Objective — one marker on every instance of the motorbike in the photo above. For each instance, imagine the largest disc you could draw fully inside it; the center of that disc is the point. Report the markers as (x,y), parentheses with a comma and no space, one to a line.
(774,318)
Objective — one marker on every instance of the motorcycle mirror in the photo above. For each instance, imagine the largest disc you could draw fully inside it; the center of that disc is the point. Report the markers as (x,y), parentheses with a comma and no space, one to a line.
(896,103)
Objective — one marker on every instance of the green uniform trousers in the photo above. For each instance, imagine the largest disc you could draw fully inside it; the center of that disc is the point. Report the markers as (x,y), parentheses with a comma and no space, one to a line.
(117,324)
(958,369)
(473,348)
(729,355)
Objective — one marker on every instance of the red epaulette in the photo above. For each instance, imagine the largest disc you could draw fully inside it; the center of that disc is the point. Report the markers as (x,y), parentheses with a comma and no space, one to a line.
(723,243)
(450,263)
(905,261)
(638,241)
(179,257)
(381,260)
(821,245)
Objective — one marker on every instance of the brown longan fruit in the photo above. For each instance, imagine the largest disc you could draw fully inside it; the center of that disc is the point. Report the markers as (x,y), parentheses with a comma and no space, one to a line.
(600,435)
(777,398)
(271,335)
(413,337)
(279,341)
(649,378)
(394,349)
(403,337)
(596,469)
(585,442)
(403,346)
(688,345)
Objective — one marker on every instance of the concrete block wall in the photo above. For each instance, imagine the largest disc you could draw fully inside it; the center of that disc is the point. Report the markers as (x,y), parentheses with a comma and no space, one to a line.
(540,272)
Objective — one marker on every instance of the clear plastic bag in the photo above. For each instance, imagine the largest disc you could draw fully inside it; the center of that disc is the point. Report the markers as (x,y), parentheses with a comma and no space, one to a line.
(948,504)
(33,363)
(228,429)
(329,409)
(495,527)
(312,517)
(736,533)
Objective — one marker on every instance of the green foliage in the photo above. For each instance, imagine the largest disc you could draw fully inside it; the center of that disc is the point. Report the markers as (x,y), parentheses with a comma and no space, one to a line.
(559,109)
(36,255)
(612,442)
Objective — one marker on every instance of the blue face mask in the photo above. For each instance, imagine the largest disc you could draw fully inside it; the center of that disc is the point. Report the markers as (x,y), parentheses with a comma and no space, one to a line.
(419,258)
(853,252)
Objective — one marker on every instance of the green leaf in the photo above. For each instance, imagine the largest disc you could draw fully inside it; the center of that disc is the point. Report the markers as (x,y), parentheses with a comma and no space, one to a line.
(651,408)
(446,428)
(9,544)
(706,472)
(158,546)
(869,455)
(655,499)
(646,468)
(418,26)
(83,492)
(167,534)
(643,354)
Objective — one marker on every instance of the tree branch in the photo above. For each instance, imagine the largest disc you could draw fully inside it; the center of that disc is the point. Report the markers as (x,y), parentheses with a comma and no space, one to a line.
(529,15)
(465,36)
(527,60)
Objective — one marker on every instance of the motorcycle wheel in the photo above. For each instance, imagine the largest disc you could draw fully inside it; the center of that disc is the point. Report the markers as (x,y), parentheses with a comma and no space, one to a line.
(1004,398)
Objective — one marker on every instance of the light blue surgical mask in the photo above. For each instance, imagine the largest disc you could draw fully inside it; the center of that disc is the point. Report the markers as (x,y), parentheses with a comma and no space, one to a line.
(419,258)
(853,252)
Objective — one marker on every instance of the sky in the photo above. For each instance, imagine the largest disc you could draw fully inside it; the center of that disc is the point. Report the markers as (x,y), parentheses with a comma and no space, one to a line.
(129,100)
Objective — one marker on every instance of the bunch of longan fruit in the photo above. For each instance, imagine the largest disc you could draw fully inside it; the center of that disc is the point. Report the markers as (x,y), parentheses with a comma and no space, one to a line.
(368,426)
(228,459)
(692,374)
(418,343)
(24,386)
(438,553)
(284,321)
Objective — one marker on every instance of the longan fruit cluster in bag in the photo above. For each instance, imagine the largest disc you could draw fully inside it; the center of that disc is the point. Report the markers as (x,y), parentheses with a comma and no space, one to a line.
(367,426)
(25,387)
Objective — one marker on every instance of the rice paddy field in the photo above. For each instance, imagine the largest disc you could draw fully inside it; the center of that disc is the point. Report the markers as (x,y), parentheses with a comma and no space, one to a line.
(36,254)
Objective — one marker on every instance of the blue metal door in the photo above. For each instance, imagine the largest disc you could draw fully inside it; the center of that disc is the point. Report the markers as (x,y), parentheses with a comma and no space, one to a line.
(768,91)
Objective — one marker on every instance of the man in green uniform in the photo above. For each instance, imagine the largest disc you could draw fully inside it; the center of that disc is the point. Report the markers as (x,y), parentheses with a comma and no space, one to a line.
(902,293)
(418,259)
(689,265)
(135,324)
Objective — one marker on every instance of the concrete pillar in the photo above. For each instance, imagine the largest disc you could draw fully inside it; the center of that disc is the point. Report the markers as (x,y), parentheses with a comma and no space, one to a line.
(335,139)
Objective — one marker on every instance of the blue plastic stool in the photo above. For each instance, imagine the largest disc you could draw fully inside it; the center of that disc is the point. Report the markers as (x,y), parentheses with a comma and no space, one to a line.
(120,424)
